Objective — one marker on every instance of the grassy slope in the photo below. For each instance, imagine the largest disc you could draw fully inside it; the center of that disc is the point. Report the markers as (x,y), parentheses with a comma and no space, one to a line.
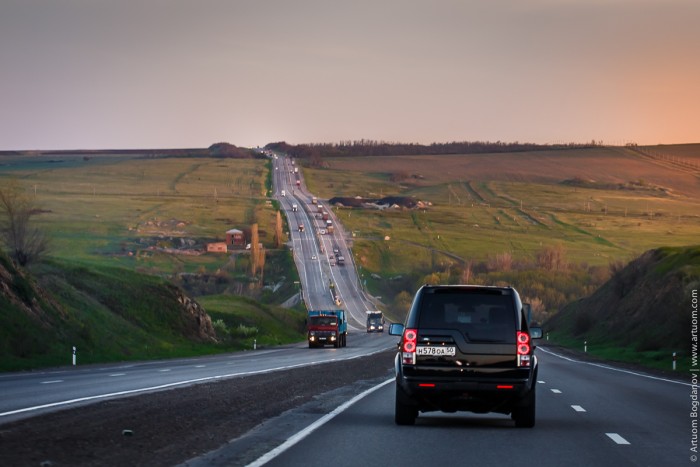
(249,321)
(641,314)
(70,306)
(114,314)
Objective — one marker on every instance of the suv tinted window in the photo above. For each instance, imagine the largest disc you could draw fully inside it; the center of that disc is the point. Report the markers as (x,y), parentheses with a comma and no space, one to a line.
(480,317)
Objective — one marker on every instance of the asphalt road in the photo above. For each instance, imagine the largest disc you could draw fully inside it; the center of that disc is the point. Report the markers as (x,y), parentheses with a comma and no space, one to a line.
(312,249)
(587,415)
(26,394)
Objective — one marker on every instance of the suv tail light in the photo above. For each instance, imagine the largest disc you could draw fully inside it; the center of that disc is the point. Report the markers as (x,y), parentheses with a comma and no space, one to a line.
(408,346)
(523,343)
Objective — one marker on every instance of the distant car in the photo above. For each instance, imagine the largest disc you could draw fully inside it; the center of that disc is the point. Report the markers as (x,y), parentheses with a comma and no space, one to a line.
(284,193)
(322,231)
(313,257)
(466,348)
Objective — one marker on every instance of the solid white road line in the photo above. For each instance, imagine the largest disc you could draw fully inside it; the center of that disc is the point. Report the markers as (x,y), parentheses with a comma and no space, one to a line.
(607,367)
(265,458)
(617,438)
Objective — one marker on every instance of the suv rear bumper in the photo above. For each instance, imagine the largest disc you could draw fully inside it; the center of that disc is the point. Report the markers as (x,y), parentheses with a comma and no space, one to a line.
(476,393)
(479,397)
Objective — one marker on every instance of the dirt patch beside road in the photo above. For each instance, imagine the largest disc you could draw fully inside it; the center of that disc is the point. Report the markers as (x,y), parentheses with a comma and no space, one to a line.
(169,427)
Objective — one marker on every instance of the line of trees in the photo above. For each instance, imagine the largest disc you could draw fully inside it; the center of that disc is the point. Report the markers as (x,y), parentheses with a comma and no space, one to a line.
(314,152)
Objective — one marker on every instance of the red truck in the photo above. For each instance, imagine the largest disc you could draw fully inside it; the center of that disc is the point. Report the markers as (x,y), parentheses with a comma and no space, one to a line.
(326,327)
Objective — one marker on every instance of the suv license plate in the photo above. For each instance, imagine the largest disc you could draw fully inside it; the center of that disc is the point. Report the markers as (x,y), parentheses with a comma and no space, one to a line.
(448,351)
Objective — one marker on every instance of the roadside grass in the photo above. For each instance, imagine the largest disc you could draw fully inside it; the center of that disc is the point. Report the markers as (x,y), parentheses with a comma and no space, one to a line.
(599,347)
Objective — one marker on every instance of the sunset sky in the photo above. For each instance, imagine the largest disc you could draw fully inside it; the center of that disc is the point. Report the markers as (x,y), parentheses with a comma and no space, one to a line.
(98,74)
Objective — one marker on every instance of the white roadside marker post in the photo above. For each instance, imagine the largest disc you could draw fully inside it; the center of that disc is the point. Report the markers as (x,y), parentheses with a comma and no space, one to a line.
(73,355)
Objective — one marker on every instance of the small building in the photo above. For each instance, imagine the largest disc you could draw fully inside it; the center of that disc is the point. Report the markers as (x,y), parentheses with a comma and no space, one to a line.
(217,247)
(235,238)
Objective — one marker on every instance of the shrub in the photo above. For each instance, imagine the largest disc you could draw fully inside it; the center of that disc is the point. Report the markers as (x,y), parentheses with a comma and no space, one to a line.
(220,327)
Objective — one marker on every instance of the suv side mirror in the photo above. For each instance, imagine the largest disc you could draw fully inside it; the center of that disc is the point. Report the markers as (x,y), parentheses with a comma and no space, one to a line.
(396,329)
(536,333)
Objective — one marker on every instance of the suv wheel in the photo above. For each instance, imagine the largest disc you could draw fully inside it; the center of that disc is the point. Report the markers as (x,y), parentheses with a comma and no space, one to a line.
(524,415)
(404,413)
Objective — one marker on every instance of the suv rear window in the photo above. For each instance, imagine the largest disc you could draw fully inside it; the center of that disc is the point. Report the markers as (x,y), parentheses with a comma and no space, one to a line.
(480,317)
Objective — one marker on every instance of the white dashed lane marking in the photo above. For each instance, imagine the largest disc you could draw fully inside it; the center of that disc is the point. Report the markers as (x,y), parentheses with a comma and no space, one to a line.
(118,374)
(617,438)
(578,408)
(556,391)
(52,382)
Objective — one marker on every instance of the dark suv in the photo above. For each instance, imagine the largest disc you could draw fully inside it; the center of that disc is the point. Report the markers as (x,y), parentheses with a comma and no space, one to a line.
(466,348)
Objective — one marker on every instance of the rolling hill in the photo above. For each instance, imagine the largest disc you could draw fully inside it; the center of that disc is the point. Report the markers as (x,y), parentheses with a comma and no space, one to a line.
(644,308)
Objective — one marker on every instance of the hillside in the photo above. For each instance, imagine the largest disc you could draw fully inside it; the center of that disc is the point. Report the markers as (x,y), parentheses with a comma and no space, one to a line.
(644,307)
(109,314)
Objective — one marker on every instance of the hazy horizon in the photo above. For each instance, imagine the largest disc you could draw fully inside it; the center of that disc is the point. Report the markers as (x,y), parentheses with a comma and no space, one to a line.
(96,74)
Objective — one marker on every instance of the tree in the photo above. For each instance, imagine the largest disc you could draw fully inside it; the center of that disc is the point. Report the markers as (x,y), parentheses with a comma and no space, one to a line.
(254,249)
(552,258)
(278,230)
(24,243)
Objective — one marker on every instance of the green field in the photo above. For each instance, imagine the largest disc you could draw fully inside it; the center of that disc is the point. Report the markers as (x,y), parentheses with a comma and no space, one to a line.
(476,213)
(599,206)
(129,210)
(110,208)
